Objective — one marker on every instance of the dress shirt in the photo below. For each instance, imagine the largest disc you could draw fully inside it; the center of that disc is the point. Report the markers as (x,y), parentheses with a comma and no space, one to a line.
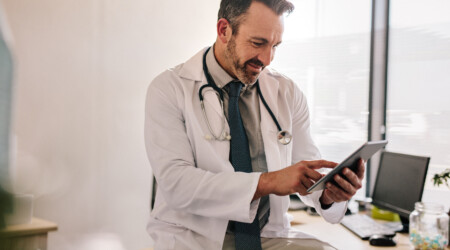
(249,108)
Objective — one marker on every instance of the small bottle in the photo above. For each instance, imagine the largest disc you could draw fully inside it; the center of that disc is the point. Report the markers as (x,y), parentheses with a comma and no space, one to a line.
(428,226)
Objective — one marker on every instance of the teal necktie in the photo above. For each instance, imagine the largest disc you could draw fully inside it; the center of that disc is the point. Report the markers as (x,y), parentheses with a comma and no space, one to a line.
(247,235)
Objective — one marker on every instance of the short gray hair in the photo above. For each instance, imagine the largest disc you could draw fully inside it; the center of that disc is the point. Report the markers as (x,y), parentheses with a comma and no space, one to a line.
(234,10)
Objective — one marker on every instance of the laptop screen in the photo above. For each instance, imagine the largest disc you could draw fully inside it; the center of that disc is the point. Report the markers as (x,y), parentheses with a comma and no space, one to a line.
(400,181)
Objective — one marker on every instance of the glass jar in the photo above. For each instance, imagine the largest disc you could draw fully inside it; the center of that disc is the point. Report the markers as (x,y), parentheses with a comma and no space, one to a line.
(428,226)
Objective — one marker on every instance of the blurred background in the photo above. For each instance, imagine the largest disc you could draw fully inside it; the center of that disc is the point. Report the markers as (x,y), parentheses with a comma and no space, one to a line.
(81,69)
(81,73)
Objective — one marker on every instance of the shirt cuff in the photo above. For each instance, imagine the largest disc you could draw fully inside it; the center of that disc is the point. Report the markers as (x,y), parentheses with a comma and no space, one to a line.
(333,214)
(254,209)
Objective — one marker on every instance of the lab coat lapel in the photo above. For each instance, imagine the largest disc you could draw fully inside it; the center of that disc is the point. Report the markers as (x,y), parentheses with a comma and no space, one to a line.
(269,89)
(212,102)
(193,70)
(211,99)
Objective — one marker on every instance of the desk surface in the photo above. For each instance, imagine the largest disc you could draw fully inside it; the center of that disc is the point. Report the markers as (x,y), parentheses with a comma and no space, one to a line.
(338,235)
(36,226)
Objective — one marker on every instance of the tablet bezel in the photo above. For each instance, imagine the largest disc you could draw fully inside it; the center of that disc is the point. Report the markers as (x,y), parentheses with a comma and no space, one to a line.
(364,152)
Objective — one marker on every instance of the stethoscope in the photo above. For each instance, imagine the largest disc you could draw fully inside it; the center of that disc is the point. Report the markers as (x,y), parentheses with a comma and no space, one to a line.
(283,136)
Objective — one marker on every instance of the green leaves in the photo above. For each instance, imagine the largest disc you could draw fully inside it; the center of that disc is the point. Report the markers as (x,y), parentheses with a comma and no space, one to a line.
(442,178)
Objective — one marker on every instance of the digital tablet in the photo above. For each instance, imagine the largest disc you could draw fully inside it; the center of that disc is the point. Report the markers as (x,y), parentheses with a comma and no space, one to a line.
(364,152)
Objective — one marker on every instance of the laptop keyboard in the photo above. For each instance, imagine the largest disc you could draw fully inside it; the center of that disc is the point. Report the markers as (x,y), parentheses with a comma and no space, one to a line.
(364,226)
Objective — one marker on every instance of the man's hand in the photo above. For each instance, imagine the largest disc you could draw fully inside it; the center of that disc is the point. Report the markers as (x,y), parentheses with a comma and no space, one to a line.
(345,188)
(296,178)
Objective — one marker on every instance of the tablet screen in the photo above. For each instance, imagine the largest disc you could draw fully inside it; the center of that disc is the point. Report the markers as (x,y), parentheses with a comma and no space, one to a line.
(364,152)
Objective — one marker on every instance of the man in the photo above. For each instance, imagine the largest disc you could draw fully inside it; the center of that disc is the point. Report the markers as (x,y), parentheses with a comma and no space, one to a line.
(204,199)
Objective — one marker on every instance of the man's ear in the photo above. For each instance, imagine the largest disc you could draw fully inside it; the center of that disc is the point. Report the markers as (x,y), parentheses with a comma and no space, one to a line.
(223,30)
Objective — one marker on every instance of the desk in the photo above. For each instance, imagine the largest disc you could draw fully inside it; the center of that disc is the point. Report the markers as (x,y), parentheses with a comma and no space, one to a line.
(26,236)
(338,235)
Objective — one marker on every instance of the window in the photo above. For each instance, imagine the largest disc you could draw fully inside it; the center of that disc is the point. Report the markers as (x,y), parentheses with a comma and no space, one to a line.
(418,102)
(326,51)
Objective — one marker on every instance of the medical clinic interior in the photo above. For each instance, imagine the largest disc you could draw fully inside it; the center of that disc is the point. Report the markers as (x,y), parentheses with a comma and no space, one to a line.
(74,75)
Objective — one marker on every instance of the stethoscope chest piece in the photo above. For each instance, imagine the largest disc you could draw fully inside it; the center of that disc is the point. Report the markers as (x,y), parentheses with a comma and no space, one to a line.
(284,137)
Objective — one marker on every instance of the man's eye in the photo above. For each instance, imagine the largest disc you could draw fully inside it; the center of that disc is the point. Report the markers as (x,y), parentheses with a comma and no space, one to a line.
(257,44)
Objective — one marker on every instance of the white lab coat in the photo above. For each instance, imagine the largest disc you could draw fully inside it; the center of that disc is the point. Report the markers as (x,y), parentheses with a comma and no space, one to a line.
(198,189)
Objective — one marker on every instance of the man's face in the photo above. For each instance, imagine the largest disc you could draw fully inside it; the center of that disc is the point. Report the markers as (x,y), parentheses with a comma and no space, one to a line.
(252,49)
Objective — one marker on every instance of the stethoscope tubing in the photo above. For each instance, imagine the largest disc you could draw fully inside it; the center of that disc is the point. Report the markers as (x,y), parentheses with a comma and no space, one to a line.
(267,106)
(210,83)
(209,80)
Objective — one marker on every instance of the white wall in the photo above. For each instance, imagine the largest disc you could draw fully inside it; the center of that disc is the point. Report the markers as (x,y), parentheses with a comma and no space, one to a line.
(82,72)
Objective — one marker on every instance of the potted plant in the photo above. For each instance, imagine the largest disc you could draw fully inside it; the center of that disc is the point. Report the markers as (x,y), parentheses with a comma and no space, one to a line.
(442,178)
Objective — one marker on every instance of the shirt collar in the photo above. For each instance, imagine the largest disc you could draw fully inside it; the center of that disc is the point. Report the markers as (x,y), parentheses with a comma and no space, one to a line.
(219,75)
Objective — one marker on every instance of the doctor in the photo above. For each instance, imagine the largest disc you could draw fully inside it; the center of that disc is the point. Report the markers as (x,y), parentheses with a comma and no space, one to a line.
(224,172)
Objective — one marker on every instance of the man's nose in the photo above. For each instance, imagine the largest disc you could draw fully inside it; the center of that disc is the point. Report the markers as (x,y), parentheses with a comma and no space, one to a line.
(266,56)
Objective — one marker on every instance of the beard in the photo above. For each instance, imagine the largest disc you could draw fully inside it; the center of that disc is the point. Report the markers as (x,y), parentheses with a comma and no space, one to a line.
(242,73)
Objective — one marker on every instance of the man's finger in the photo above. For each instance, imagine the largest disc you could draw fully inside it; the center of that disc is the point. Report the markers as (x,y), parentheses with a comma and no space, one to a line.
(344,185)
(332,195)
(306,182)
(313,174)
(338,193)
(361,169)
(320,164)
(352,177)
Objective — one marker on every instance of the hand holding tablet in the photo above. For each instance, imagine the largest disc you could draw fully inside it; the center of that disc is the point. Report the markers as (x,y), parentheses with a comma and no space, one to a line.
(364,152)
